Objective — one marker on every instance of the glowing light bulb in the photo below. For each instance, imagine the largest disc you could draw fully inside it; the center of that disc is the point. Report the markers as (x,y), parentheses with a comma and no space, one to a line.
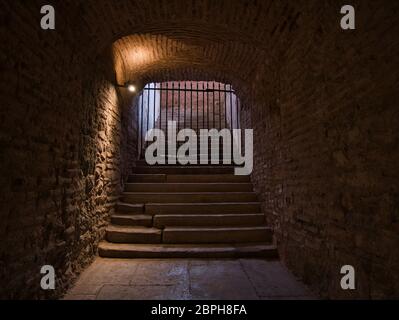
(131,88)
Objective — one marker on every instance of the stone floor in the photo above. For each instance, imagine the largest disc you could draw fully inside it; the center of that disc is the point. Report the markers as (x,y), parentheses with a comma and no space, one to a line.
(182,279)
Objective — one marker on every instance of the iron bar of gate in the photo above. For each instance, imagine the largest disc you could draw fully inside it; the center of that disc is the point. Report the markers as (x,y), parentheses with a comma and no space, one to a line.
(225,109)
(138,126)
(166,125)
(141,122)
(231,121)
(236,113)
(237,110)
(241,137)
(178,109)
(153,115)
(203,105)
(198,158)
(197,105)
(227,92)
(192,90)
(191,104)
(160,107)
(207,105)
(213,105)
(220,113)
(173,100)
(148,112)
(185,87)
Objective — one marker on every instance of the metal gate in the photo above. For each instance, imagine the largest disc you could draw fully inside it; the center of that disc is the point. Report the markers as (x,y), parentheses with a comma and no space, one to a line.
(191,104)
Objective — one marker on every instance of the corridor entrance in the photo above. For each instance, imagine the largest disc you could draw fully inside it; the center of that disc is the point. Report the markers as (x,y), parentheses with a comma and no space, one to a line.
(194,105)
(187,211)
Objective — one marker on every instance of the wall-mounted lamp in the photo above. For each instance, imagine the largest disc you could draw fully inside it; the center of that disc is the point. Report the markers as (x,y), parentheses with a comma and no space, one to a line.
(131,88)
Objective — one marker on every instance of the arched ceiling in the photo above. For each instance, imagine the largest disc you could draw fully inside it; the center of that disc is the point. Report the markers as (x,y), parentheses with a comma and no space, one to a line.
(225,40)
(147,56)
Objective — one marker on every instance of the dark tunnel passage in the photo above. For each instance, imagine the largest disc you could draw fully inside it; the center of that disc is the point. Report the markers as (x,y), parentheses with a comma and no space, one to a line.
(321,102)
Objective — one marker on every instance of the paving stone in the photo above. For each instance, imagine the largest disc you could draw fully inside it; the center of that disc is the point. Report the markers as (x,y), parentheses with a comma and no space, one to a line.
(79,297)
(187,279)
(161,272)
(220,279)
(145,292)
(272,279)
(114,271)
(85,288)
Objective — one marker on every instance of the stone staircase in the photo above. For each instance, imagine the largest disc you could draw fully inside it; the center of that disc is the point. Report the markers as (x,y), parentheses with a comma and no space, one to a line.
(187,211)
(198,211)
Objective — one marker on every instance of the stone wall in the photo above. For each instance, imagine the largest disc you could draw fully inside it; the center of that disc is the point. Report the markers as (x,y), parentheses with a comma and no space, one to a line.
(326,151)
(63,122)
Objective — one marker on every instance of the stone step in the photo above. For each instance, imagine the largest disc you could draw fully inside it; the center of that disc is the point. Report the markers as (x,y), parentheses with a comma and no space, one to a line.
(187,197)
(198,130)
(198,137)
(143,163)
(216,234)
(146,178)
(132,220)
(195,162)
(187,187)
(202,208)
(130,208)
(207,178)
(125,234)
(190,125)
(181,126)
(184,170)
(187,178)
(191,220)
(253,250)
(203,123)
(218,148)
(213,138)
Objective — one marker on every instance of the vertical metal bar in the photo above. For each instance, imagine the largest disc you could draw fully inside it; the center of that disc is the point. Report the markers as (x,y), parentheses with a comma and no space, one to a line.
(191,104)
(220,112)
(173,99)
(213,104)
(138,124)
(239,121)
(153,116)
(166,126)
(231,120)
(160,106)
(197,122)
(225,107)
(173,103)
(207,104)
(178,110)
(237,127)
(237,111)
(141,122)
(185,102)
(148,110)
(197,106)
(203,105)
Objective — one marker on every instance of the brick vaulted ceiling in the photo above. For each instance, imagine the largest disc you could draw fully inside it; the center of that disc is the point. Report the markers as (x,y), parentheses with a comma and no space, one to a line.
(225,40)
(148,56)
